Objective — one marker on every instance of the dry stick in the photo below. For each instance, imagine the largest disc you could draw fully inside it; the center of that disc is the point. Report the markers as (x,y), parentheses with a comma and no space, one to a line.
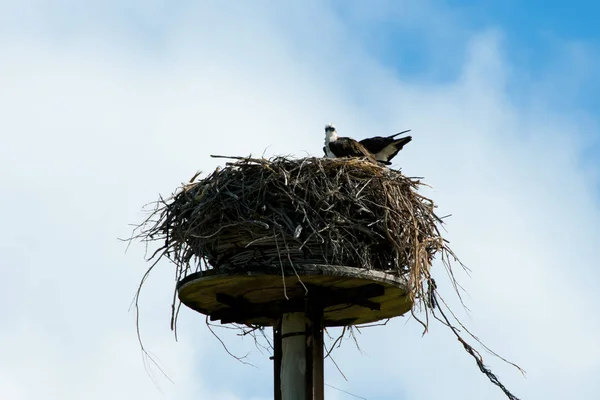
(137,325)
(281,265)
(176,317)
(415,270)
(356,340)
(338,368)
(338,339)
(450,272)
(173,311)
(478,358)
(343,391)
(252,332)
(240,359)
(292,265)
(358,327)
(266,337)
(521,370)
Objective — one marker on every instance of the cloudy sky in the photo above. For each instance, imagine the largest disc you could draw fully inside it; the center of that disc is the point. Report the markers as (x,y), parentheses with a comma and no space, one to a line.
(106,105)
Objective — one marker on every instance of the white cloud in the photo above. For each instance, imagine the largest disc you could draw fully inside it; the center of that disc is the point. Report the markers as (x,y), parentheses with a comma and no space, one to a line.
(95,126)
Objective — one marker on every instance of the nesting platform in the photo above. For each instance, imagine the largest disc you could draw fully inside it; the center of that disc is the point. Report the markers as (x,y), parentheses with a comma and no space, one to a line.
(260,295)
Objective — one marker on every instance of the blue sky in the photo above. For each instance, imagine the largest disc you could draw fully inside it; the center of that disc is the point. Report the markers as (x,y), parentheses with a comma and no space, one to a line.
(539,38)
(106,105)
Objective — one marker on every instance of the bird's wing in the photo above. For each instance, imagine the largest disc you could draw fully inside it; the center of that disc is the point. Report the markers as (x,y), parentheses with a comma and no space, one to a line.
(347,147)
(400,143)
(376,144)
(400,133)
(390,151)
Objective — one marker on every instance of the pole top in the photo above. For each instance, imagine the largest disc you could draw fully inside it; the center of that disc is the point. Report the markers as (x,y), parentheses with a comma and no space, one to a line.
(260,295)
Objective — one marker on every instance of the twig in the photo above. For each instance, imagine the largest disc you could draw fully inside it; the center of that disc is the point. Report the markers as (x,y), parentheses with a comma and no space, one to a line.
(343,391)
(240,359)
(478,358)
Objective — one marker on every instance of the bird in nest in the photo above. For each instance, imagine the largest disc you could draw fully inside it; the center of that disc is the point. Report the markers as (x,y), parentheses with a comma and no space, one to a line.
(378,148)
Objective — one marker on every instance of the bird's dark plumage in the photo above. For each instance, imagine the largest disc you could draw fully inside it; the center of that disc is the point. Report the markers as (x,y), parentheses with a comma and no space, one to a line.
(347,147)
(385,148)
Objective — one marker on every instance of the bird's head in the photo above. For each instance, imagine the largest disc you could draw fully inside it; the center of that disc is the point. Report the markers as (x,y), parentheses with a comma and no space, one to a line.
(330,133)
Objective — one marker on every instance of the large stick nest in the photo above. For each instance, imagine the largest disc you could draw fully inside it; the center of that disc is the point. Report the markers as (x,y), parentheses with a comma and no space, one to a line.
(282,212)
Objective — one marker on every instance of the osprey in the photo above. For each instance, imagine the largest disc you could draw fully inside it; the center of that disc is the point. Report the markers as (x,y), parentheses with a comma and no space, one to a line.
(336,146)
(385,148)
